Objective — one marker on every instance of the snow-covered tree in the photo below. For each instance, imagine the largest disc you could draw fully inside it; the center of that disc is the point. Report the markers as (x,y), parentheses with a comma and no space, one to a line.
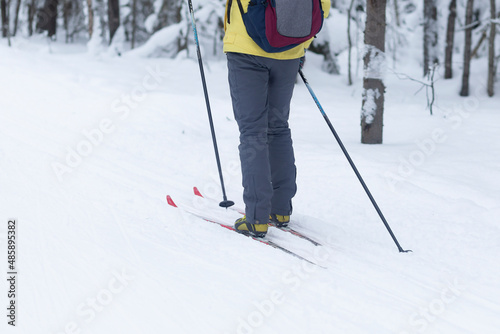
(355,15)
(431,33)
(321,45)
(170,29)
(99,37)
(167,12)
(113,17)
(74,18)
(374,67)
(398,28)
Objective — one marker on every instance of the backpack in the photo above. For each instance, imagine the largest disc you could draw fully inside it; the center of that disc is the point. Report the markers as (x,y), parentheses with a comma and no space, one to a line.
(280,25)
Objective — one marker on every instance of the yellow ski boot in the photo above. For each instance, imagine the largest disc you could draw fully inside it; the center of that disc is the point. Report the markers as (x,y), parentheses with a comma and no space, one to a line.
(279,220)
(256,229)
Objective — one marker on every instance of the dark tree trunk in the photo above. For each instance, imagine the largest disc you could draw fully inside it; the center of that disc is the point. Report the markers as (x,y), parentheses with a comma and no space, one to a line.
(5,18)
(134,23)
(31,16)
(113,17)
(430,35)
(16,17)
(47,17)
(374,61)
(450,38)
(491,52)
(467,48)
(67,9)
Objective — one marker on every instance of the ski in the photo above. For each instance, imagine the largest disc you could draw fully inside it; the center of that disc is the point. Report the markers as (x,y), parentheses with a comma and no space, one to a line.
(296,233)
(264,240)
(284,229)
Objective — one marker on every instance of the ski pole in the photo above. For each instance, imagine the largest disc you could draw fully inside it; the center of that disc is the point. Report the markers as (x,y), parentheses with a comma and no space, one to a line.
(225,203)
(352,163)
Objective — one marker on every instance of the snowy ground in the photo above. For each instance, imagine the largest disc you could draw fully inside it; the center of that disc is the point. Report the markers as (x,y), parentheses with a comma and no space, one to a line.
(89,147)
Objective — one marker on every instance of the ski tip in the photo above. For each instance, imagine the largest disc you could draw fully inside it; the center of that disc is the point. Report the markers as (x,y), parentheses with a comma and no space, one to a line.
(170,201)
(197,192)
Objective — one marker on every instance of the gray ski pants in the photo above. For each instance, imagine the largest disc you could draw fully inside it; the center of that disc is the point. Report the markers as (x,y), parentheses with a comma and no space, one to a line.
(261,90)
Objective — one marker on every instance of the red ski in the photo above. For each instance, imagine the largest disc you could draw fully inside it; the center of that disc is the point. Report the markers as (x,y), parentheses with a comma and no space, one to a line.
(265,240)
(285,229)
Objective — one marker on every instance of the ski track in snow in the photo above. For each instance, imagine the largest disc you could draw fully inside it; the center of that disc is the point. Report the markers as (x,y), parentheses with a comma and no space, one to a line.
(108,217)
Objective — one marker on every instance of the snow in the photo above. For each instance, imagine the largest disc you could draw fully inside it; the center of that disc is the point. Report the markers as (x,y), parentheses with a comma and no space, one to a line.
(376,68)
(160,44)
(370,105)
(100,251)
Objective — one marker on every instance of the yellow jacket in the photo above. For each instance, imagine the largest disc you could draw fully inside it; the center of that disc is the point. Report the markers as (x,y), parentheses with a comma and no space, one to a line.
(236,38)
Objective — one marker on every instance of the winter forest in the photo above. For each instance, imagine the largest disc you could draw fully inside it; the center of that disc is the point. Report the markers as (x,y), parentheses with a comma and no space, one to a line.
(102,115)
(376,33)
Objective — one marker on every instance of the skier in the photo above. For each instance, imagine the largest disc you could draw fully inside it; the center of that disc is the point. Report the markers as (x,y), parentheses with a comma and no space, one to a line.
(261,86)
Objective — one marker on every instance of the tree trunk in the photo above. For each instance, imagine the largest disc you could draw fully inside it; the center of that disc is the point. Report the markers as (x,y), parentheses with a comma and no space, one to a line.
(474,52)
(16,17)
(47,18)
(374,64)
(5,18)
(450,38)
(467,48)
(134,23)
(67,8)
(113,17)
(349,41)
(430,35)
(91,18)
(396,13)
(31,16)
(491,53)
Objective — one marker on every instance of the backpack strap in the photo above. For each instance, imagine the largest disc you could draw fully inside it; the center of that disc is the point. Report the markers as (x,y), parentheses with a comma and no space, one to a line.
(240,6)
(228,13)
